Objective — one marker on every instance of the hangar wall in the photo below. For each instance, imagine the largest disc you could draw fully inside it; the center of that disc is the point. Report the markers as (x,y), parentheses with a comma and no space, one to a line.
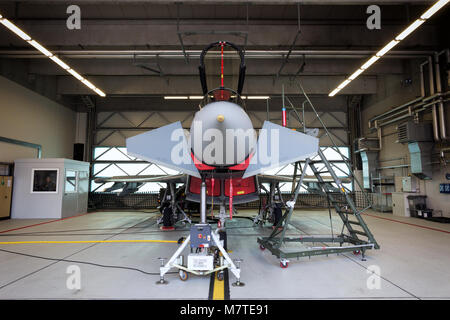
(392,92)
(30,117)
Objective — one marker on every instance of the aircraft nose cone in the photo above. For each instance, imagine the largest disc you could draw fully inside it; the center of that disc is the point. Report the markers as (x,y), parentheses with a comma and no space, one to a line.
(219,143)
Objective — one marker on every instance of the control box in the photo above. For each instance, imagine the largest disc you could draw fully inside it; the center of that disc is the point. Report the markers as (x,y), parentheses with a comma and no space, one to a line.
(409,184)
(201,236)
(200,262)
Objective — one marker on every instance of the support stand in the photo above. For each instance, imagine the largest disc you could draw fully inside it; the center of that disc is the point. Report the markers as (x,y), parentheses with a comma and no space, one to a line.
(206,259)
(355,244)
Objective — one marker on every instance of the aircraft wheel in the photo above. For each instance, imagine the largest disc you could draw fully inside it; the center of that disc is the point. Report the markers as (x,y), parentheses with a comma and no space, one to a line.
(183,275)
(168,217)
(220,276)
(262,247)
(284,264)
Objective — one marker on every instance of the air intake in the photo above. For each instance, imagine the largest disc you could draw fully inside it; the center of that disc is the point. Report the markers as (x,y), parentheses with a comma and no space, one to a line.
(414,132)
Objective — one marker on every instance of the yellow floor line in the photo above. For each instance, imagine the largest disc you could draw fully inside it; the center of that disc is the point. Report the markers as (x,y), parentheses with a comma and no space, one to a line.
(219,289)
(88,241)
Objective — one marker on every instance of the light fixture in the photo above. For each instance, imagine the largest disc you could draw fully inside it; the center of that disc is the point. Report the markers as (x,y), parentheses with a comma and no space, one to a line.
(413,26)
(100,92)
(176,97)
(332,93)
(343,84)
(60,63)
(356,74)
(195,97)
(369,62)
(88,84)
(434,8)
(386,48)
(75,74)
(40,48)
(258,97)
(11,26)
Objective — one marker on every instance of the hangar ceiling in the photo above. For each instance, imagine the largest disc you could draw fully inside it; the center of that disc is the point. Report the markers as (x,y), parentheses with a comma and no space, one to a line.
(139,51)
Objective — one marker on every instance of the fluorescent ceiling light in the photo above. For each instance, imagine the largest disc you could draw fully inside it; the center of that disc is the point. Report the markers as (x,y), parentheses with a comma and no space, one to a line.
(332,93)
(75,74)
(434,8)
(195,97)
(343,84)
(369,62)
(60,63)
(99,92)
(356,74)
(11,26)
(176,97)
(40,48)
(386,48)
(413,26)
(88,84)
(257,97)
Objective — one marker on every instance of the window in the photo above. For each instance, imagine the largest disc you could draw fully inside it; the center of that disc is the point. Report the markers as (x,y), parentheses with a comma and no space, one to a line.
(44,180)
(114,161)
(71,185)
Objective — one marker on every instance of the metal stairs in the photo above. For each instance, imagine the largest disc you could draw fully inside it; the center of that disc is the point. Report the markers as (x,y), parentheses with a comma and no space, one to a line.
(344,207)
(355,235)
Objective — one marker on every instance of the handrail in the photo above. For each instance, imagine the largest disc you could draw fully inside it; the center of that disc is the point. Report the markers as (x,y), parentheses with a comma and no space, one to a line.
(23,144)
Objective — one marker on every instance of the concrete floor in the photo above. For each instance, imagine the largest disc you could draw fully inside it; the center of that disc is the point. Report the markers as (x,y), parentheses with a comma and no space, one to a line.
(413,260)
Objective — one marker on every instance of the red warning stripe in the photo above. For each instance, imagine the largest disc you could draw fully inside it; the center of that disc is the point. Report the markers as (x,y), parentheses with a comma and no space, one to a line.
(407,223)
(39,224)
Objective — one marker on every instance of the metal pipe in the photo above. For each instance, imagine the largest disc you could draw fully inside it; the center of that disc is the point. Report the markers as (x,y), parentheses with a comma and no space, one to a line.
(440,104)
(394,167)
(422,81)
(388,160)
(380,143)
(250,54)
(433,109)
(401,109)
(394,120)
(393,110)
(203,203)
(303,115)
(283,109)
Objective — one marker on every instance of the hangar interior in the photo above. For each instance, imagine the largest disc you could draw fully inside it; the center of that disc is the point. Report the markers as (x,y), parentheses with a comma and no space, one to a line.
(385,135)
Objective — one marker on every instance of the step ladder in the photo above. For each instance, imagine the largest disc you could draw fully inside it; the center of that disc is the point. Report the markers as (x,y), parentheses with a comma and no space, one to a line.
(343,204)
(355,235)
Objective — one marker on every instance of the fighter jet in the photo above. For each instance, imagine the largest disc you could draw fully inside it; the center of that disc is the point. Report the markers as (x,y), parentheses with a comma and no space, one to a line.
(222,151)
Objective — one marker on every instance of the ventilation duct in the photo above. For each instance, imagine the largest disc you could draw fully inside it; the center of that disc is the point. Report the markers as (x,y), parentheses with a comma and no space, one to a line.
(368,149)
(420,155)
(419,137)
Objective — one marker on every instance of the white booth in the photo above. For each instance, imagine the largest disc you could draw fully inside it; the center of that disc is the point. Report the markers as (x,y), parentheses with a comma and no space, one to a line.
(49,188)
